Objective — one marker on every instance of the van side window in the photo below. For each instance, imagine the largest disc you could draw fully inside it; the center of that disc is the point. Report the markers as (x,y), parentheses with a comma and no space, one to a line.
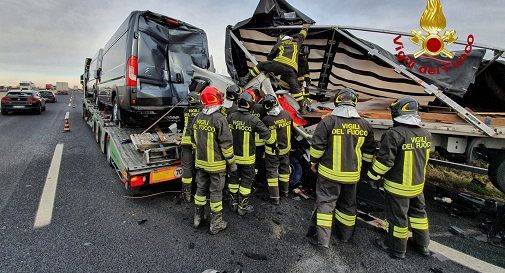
(114,60)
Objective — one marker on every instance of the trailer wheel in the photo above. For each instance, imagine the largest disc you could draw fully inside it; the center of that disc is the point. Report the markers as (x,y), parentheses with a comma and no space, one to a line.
(496,171)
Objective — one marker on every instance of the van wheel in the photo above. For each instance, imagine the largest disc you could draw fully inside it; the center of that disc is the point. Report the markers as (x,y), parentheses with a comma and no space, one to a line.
(98,104)
(119,116)
(496,171)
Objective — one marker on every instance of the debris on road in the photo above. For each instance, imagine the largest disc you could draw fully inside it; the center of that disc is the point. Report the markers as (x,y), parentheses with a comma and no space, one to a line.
(141,221)
(457,231)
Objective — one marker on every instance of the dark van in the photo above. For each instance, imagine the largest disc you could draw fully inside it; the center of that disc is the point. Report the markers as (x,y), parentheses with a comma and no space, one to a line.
(92,68)
(146,65)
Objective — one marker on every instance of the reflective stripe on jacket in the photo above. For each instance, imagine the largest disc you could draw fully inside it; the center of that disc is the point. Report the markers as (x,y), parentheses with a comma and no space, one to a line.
(286,52)
(213,141)
(244,127)
(280,128)
(189,115)
(339,145)
(402,159)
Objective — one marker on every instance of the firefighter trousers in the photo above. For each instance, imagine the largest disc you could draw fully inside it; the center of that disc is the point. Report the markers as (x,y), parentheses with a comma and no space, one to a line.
(212,183)
(188,165)
(335,201)
(277,172)
(402,212)
(288,75)
(241,181)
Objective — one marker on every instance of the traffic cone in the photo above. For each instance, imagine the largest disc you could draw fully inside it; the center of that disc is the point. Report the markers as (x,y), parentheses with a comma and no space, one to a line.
(66,124)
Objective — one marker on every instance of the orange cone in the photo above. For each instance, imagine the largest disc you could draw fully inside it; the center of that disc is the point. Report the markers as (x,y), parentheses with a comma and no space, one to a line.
(66,124)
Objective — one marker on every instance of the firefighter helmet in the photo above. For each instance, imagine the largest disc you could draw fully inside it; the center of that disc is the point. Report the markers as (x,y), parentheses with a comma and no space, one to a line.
(346,96)
(233,91)
(404,106)
(211,96)
(269,102)
(193,98)
(251,92)
(246,101)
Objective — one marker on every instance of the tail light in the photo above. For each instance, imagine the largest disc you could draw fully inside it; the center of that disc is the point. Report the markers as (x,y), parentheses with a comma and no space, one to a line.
(132,69)
(137,181)
(33,100)
(6,100)
(172,22)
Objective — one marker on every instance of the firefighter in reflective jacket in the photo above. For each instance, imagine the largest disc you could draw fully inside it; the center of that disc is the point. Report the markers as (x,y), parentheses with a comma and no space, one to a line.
(188,158)
(401,161)
(213,143)
(277,157)
(341,144)
(283,61)
(244,126)
(230,102)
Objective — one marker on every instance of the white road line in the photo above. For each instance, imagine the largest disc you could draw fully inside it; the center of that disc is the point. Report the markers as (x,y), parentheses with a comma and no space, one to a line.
(455,255)
(464,259)
(45,210)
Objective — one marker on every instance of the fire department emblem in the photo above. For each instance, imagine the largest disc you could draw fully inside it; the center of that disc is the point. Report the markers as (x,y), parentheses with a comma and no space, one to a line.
(433,22)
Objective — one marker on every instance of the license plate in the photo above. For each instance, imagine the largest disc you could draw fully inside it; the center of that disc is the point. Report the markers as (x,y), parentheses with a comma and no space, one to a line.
(18,106)
(165,174)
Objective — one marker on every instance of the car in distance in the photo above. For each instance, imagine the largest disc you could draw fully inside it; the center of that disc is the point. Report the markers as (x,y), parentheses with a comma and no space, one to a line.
(146,65)
(23,101)
(48,95)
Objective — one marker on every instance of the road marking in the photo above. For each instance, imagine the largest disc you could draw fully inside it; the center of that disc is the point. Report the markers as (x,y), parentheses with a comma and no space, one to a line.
(451,253)
(464,259)
(46,204)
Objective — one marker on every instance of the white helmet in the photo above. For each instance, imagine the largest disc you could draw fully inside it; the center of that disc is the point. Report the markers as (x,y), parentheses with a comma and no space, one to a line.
(286,37)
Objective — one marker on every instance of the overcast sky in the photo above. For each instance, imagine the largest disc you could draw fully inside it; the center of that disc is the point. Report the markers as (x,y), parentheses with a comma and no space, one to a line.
(45,41)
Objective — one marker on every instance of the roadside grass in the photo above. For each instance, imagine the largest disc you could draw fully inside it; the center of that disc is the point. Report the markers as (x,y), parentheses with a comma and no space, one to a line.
(463,181)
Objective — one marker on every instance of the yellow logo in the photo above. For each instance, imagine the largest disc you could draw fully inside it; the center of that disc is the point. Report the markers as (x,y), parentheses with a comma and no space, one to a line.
(433,22)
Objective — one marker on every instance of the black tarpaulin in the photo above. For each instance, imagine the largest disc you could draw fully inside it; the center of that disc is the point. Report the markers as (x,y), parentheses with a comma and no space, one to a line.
(336,61)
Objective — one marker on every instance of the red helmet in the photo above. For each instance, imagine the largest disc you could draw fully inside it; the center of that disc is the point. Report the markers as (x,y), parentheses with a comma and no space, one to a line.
(211,96)
(251,92)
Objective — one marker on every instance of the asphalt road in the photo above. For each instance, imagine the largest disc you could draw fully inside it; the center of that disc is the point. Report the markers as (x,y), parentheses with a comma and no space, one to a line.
(94,228)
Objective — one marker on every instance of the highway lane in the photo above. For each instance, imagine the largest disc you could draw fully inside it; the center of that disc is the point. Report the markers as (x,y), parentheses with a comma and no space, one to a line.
(95,229)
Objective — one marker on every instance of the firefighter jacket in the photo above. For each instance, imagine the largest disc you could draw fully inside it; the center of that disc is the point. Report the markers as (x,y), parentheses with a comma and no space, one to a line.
(402,159)
(286,52)
(243,127)
(340,145)
(280,128)
(259,112)
(227,111)
(213,142)
(189,115)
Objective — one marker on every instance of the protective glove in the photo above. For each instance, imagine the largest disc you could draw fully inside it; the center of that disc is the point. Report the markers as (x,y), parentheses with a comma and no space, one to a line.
(232,167)
(313,167)
(305,26)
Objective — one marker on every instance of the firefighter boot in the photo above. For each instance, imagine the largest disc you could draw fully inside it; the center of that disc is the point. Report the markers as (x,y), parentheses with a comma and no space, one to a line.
(243,206)
(233,200)
(198,217)
(186,192)
(217,223)
(243,81)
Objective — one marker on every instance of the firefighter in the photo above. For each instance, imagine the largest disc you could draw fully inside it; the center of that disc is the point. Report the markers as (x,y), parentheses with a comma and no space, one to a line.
(277,158)
(230,102)
(260,113)
(341,143)
(283,61)
(401,162)
(244,126)
(188,158)
(213,143)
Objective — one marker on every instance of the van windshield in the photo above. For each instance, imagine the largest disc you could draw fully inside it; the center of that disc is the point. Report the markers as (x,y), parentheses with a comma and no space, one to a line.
(166,53)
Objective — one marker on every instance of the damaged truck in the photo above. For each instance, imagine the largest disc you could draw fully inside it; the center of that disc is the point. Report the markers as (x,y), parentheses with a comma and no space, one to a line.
(463,108)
